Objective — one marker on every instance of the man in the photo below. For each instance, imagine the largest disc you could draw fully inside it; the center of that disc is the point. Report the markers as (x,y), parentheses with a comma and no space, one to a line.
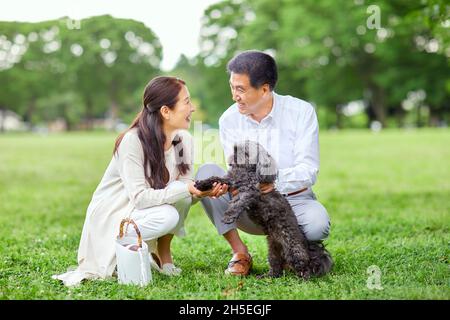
(287,128)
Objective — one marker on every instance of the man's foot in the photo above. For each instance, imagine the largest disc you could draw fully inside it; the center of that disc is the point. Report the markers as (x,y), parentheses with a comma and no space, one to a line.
(240,264)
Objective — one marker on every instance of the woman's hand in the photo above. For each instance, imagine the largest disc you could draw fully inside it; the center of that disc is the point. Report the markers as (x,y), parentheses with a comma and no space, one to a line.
(217,190)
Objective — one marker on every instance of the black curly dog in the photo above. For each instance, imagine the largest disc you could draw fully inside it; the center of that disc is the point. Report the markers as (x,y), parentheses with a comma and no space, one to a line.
(250,165)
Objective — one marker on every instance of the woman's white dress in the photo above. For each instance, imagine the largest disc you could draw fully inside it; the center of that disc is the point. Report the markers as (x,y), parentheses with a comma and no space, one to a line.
(123,189)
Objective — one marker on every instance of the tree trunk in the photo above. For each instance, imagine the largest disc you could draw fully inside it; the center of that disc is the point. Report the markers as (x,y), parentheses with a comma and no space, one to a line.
(69,126)
(433,118)
(89,114)
(376,108)
(113,113)
(2,120)
(28,117)
(114,107)
(419,117)
(338,113)
(379,106)
(400,117)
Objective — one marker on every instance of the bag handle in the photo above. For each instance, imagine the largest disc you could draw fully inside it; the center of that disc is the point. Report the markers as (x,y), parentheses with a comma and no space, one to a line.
(128,221)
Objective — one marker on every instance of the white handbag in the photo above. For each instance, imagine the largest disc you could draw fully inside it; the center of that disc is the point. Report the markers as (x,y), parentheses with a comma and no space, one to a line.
(133,261)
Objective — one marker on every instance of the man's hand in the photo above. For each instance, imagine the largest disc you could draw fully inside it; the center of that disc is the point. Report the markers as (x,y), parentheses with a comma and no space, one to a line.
(217,190)
(263,187)
(266,187)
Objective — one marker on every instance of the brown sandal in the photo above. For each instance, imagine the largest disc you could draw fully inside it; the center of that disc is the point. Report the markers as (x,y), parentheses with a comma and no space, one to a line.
(240,264)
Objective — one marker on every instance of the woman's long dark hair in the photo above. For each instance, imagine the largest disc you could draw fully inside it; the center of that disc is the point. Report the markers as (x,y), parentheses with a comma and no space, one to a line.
(160,91)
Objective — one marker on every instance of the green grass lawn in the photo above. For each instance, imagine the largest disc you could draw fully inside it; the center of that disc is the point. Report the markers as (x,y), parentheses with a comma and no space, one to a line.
(388,196)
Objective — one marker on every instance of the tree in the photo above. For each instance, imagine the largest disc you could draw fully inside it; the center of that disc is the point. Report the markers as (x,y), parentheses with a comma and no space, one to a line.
(104,62)
(220,39)
(30,67)
(332,52)
(113,58)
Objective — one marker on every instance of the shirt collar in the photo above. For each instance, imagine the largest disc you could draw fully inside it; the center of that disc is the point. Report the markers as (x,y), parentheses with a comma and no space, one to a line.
(271,115)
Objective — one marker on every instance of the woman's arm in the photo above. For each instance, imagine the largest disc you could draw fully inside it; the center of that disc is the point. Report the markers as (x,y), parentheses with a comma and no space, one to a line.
(216,190)
(130,160)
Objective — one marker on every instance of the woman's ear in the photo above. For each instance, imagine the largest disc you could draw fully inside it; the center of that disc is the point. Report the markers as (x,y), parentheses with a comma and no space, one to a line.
(165,112)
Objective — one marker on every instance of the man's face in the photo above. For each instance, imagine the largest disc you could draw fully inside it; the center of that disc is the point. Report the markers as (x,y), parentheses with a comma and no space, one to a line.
(249,99)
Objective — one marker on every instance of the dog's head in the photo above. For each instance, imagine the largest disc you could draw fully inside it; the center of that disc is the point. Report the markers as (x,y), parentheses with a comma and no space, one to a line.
(254,158)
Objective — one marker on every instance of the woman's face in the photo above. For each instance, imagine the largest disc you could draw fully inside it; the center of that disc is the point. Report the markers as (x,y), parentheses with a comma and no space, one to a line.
(180,116)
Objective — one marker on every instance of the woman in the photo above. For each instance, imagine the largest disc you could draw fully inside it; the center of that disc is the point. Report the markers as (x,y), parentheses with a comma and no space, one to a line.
(148,179)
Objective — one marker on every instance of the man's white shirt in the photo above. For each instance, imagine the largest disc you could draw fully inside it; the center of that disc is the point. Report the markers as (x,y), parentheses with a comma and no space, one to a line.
(290,133)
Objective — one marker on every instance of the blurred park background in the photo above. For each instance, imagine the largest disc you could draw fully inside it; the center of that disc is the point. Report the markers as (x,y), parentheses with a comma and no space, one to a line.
(377,64)
(377,73)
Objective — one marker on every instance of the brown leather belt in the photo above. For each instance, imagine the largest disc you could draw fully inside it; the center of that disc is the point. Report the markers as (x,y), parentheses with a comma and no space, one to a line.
(284,194)
(295,192)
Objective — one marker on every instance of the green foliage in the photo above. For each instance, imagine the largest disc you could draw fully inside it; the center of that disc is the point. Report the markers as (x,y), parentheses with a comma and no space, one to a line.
(67,106)
(332,52)
(328,52)
(104,63)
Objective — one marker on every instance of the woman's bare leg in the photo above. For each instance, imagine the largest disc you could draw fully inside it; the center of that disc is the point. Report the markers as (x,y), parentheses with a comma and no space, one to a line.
(164,252)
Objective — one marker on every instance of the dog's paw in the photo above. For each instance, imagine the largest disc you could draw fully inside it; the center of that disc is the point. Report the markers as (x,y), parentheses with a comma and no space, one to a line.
(202,185)
(304,274)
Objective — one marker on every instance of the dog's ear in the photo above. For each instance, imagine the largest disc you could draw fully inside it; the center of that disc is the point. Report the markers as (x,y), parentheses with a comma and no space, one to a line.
(240,154)
(233,159)
(266,167)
